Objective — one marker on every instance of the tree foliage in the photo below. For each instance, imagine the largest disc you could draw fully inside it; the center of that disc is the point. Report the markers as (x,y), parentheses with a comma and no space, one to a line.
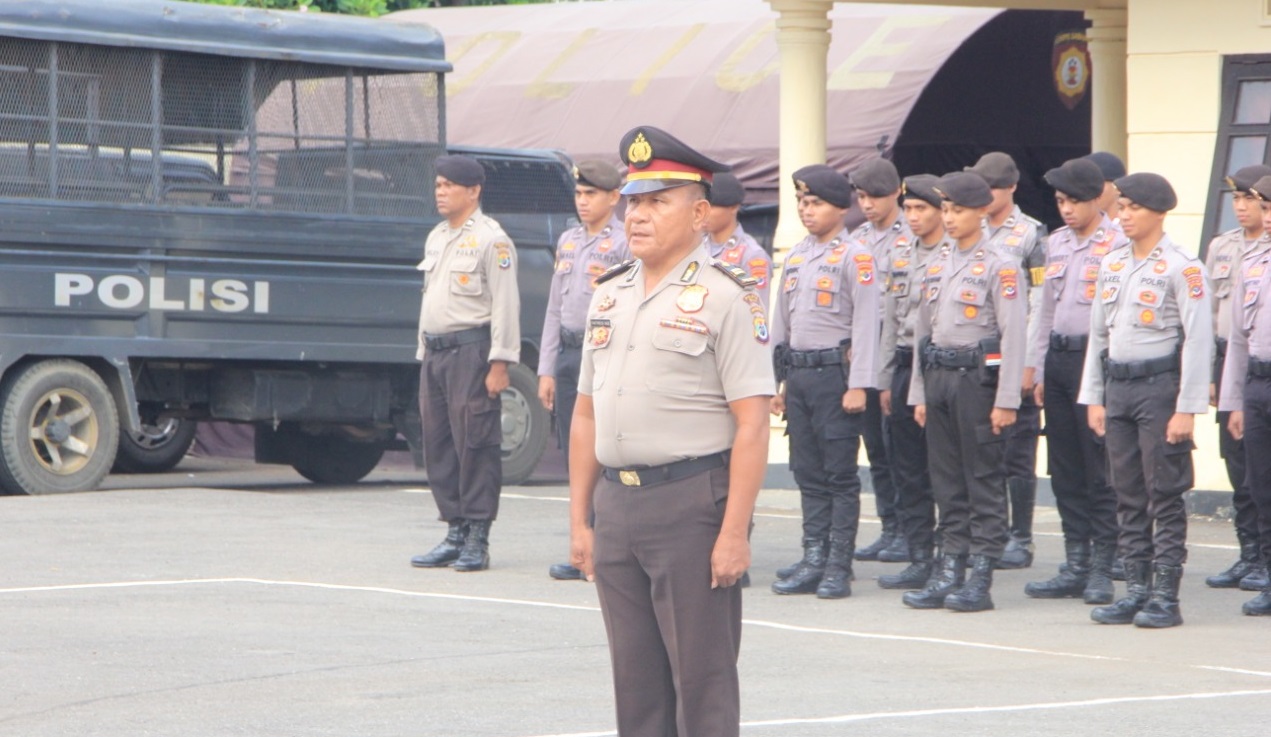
(360,7)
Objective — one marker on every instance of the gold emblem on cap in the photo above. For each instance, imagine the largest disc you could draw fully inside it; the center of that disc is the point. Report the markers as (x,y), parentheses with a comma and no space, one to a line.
(1230,182)
(800,186)
(639,153)
(577,174)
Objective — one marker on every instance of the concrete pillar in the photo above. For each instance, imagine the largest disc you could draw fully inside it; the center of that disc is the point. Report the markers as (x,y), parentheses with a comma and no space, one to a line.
(1106,38)
(803,40)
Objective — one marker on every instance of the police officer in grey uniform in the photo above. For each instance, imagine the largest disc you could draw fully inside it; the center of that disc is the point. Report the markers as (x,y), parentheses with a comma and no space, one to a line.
(1223,259)
(877,186)
(1075,455)
(1113,168)
(583,253)
(970,332)
(669,448)
(469,331)
(1246,388)
(825,326)
(902,290)
(1024,238)
(727,241)
(1146,376)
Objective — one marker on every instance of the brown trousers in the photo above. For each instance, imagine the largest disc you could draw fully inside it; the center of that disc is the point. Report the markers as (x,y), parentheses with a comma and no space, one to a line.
(673,639)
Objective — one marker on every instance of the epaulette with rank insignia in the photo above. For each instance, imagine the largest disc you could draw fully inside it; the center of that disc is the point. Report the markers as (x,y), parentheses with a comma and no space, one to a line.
(736,273)
(616,270)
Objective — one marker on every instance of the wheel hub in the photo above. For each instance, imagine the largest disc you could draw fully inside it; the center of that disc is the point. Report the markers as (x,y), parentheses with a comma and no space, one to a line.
(57,431)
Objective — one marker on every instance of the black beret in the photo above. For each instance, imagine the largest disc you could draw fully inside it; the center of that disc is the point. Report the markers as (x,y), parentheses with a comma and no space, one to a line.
(922,187)
(1148,190)
(658,160)
(965,188)
(997,168)
(1245,178)
(726,191)
(877,178)
(1262,188)
(1080,179)
(1110,164)
(824,182)
(598,174)
(462,170)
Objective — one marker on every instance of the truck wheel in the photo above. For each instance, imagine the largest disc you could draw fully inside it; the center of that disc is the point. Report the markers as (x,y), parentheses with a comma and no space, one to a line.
(156,448)
(331,459)
(526,425)
(58,429)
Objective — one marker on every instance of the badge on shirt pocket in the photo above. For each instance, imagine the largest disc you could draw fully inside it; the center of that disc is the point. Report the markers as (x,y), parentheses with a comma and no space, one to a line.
(599,332)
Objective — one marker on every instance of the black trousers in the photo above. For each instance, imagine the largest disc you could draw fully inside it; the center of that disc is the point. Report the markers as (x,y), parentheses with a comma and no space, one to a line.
(462,432)
(965,459)
(824,443)
(916,505)
(1257,441)
(879,453)
(568,363)
(1019,457)
(1076,456)
(1148,474)
(1233,455)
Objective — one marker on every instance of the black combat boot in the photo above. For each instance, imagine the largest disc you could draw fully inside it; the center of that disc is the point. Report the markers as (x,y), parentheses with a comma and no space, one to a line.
(1256,580)
(945,579)
(1099,586)
(1161,609)
(897,551)
(808,544)
(1248,561)
(1260,605)
(807,576)
(915,575)
(476,551)
(447,550)
(1072,578)
(871,551)
(836,583)
(1138,577)
(1019,550)
(974,595)
(565,572)
(1118,568)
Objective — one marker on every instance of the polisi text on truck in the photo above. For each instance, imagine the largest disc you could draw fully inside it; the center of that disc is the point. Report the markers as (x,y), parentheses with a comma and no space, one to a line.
(126,292)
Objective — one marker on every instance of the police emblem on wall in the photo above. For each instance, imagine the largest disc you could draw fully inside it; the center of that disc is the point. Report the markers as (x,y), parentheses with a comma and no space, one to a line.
(1070,60)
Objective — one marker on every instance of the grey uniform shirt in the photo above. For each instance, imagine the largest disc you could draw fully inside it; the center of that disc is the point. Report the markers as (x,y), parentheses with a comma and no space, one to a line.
(1071,284)
(968,295)
(1144,310)
(830,293)
(662,367)
(902,291)
(1024,239)
(883,241)
(470,281)
(742,250)
(580,258)
(1250,328)
(1222,261)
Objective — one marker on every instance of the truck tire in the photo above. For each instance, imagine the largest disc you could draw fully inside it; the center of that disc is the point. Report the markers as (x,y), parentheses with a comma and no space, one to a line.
(156,448)
(331,459)
(526,426)
(59,429)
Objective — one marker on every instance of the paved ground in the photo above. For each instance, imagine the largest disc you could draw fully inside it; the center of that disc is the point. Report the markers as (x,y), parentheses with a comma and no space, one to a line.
(227,599)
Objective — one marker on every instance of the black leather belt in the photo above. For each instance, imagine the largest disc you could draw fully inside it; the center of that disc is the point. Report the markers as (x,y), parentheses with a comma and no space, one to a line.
(1141,369)
(457,338)
(904,356)
(1259,369)
(572,338)
(1073,343)
(947,358)
(666,473)
(814,359)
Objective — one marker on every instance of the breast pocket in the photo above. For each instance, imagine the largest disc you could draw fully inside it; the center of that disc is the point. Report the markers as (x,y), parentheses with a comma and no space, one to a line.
(825,296)
(1251,296)
(678,363)
(600,359)
(970,302)
(1147,309)
(465,277)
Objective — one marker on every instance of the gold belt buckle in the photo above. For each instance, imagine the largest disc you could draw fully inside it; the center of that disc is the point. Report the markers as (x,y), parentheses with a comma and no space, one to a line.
(629,478)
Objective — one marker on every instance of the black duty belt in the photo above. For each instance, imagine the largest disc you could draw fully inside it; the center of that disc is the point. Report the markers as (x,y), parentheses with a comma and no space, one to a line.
(1068,343)
(904,357)
(572,338)
(456,339)
(1259,369)
(814,359)
(1141,369)
(948,358)
(666,473)
(1220,348)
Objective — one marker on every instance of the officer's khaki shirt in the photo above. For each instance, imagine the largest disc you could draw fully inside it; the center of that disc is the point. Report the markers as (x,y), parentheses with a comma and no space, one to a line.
(1222,261)
(1144,310)
(1250,329)
(470,281)
(662,367)
(902,291)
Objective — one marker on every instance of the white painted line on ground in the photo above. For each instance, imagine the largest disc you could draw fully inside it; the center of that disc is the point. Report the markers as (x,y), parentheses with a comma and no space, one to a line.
(1240,671)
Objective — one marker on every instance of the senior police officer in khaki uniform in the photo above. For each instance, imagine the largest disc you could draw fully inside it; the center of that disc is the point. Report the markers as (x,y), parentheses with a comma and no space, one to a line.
(1075,455)
(669,447)
(1246,388)
(727,241)
(1146,376)
(1024,239)
(970,332)
(908,441)
(469,331)
(877,186)
(825,326)
(1223,260)
(583,253)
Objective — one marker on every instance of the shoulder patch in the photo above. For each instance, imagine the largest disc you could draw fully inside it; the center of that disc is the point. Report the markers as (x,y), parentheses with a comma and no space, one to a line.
(736,273)
(615,270)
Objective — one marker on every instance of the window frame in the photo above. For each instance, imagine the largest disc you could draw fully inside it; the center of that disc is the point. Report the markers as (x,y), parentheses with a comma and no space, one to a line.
(1236,69)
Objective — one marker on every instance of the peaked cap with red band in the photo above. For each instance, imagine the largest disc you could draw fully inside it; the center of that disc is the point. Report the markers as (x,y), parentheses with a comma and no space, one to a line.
(658,160)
